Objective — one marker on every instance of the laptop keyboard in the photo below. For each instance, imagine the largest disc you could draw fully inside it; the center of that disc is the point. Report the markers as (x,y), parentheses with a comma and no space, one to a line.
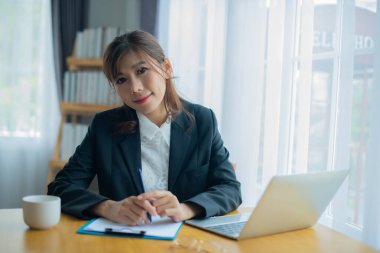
(230,228)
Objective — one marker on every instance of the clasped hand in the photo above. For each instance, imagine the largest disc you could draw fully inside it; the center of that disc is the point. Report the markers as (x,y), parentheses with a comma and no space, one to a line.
(133,210)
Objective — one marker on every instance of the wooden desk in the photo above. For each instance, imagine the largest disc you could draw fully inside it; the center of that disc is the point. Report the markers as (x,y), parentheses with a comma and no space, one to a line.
(16,237)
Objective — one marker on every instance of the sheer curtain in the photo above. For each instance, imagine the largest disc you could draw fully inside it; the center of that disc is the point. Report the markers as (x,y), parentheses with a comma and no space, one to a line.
(292,84)
(29,113)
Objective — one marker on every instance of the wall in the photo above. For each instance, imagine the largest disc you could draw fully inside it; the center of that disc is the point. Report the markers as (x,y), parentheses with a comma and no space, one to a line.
(120,13)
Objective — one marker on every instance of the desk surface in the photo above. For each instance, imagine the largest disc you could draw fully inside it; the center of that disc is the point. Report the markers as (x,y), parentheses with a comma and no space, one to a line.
(16,237)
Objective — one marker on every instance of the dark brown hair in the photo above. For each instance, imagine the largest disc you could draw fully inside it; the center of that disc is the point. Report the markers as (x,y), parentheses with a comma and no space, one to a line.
(145,43)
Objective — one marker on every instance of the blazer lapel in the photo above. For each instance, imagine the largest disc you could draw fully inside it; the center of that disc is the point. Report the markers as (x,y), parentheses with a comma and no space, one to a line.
(131,151)
(179,144)
(128,147)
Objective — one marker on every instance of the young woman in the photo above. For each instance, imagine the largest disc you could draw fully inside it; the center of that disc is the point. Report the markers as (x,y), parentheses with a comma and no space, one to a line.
(156,155)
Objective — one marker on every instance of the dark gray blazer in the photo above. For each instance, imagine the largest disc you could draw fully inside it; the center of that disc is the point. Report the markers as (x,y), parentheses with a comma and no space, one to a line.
(199,168)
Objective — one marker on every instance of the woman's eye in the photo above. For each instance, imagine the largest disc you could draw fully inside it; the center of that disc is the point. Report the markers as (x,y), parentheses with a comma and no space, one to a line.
(120,80)
(141,71)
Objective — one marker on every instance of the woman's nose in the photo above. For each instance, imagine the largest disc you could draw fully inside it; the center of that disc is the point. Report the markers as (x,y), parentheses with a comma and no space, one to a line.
(136,85)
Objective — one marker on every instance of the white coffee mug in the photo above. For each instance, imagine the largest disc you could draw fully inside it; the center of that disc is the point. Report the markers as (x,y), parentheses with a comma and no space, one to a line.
(41,211)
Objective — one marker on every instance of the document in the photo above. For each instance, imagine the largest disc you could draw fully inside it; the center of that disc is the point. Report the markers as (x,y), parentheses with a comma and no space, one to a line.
(161,228)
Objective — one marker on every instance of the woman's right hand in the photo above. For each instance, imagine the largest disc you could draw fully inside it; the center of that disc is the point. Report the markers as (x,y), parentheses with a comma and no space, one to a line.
(130,211)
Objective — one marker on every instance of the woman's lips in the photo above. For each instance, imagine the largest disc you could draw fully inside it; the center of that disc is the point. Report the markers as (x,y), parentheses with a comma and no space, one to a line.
(142,100)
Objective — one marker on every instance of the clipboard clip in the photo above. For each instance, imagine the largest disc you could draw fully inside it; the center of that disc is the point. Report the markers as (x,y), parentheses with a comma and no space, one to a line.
(124,232)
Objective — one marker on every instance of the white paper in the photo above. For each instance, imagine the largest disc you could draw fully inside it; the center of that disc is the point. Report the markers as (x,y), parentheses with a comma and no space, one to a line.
(160,227)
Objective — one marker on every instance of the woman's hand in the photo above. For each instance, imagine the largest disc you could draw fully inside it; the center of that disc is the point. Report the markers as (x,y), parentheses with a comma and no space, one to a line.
(131,211)
(167,204)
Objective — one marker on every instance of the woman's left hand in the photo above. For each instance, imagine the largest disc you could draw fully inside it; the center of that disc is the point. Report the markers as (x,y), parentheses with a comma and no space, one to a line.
(167,204)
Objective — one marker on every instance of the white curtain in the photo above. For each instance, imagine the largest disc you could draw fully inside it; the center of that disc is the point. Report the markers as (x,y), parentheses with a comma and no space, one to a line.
(293,86)
(29,113)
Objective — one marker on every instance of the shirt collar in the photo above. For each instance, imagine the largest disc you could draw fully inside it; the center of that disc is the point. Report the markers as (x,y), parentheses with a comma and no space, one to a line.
(148,129)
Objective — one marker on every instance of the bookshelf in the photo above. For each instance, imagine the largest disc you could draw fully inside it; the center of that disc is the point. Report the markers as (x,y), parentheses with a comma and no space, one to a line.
(75,63)
(71,112)
(85,92)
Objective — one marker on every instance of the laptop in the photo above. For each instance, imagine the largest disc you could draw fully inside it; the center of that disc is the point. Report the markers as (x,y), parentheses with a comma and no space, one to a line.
(289,202)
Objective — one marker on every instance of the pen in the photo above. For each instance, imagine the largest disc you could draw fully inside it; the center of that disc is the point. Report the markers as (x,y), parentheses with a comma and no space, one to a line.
(124,232)
(142,187)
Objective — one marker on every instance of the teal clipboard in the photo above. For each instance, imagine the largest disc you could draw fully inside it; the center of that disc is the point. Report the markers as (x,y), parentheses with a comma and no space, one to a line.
(146,235)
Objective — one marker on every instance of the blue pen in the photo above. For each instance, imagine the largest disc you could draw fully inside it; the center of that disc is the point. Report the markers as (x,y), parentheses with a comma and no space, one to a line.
(142,187)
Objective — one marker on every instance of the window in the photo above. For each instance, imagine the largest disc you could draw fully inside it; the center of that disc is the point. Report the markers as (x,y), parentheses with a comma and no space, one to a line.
(22,49)
(296,92)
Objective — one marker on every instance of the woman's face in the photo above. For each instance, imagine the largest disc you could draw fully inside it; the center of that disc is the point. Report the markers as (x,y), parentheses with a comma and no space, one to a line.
(142,85)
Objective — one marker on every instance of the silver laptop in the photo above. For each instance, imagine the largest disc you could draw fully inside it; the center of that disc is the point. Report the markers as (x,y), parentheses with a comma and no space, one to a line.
(289,202)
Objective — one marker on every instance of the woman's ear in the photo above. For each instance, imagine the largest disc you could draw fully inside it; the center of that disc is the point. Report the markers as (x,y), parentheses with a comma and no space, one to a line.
(168,69)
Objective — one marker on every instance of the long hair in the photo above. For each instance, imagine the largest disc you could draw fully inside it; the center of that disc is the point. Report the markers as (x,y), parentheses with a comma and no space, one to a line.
(145,43)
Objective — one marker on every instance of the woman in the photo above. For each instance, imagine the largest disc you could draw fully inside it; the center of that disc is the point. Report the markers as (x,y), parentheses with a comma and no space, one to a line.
(156,141)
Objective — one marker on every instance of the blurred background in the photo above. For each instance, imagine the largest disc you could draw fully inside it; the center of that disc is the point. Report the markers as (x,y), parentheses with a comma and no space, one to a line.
(294,85)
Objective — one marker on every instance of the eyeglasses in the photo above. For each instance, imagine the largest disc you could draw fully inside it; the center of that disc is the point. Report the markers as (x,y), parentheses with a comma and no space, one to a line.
(186,244)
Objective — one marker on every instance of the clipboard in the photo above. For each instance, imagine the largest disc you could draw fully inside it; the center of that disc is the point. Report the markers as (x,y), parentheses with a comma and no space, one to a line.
(161,228)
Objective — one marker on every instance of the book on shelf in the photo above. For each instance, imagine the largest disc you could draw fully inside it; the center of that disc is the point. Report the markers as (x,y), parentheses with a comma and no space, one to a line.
(92,42)
(73,134)
(88,87)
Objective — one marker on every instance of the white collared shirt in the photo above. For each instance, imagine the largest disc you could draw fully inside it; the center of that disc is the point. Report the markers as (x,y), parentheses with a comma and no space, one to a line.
(155,145)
